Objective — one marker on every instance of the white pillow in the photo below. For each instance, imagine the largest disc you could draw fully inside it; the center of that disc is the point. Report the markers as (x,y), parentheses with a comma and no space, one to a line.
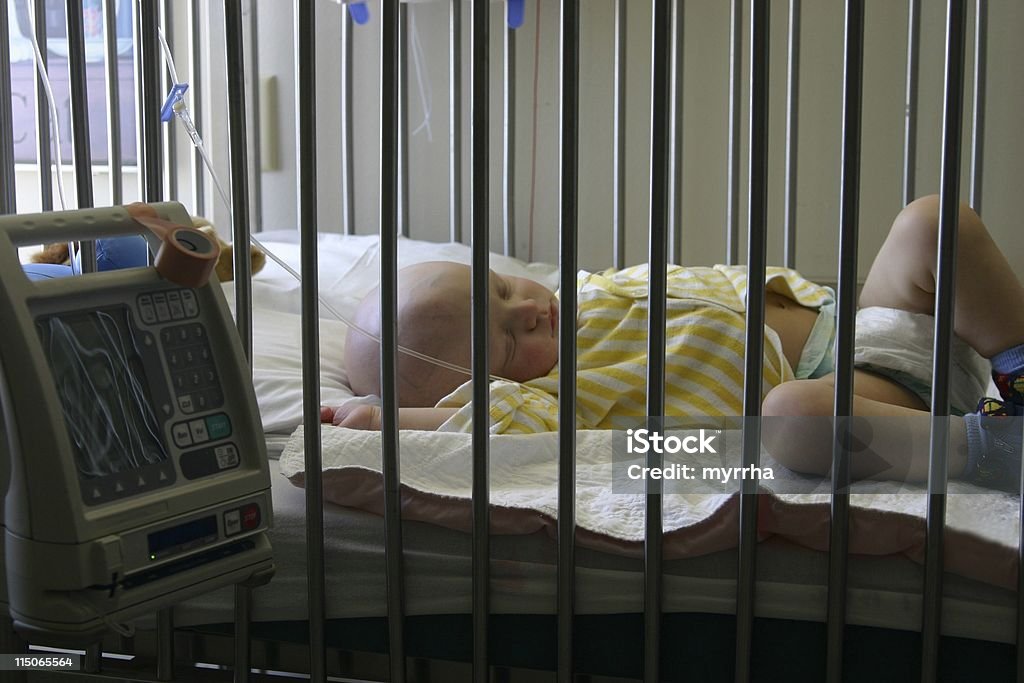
(349,268)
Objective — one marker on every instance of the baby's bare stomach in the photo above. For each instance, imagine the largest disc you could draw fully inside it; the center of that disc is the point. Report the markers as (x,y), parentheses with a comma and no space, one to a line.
(792,322)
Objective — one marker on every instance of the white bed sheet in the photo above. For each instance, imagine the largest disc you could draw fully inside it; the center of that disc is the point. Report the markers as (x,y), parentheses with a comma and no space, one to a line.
(884,591)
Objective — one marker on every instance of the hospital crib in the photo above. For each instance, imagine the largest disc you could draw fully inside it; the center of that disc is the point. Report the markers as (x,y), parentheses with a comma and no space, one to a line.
(559,642)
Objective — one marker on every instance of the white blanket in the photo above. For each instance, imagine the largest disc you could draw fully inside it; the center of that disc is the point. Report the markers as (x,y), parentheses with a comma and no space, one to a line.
(886,517)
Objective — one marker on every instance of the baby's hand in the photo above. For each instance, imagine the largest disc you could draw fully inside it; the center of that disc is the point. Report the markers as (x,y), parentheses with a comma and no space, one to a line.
(352,416)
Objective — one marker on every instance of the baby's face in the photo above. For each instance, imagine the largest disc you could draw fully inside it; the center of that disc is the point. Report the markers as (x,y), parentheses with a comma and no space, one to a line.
(523,321)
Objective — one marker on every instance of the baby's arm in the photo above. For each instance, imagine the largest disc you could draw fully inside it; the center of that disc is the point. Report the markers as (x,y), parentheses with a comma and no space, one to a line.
(363,416)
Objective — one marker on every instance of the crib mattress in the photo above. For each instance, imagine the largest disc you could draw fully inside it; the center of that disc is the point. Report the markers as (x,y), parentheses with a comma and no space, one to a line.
(883,591)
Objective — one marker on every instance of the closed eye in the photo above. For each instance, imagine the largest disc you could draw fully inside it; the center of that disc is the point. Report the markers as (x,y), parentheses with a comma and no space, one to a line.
(510,347)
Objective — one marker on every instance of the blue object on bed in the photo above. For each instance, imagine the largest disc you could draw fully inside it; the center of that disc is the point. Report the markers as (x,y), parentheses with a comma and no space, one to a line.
(112,253)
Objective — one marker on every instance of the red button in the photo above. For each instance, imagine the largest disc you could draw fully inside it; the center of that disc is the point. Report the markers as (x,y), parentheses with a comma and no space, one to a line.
(250,516)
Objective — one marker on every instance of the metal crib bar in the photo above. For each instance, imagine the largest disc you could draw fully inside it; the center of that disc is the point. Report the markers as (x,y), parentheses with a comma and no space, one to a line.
(115,164)
(732,203)
(392,193)
(676,136)
(169,134)
(455,120)
(978,103)
(165,644)
(754,357)
(949,212)
(508,141)
(243,645)
(81,144)
(792,133)
(568,265)
(256,168)
(849,203)
(479,183)
(661,85)
(44,135)
(403,117)
(348,219)
(238,152)
(910,101)
(196,86)
(150,100)
(305,46)
(619,137)
(8,196)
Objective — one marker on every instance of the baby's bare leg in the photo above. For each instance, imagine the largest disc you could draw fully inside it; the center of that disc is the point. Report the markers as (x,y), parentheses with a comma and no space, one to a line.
(894,439)
(989,307)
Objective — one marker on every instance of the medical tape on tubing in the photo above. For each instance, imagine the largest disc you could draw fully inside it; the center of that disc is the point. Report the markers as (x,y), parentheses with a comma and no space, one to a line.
(186,256)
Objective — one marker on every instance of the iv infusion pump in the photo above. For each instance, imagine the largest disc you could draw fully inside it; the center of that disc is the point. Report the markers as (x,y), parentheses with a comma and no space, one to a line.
(131,448)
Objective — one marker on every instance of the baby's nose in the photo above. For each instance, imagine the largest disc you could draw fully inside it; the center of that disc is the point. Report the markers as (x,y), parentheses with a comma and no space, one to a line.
(529,313)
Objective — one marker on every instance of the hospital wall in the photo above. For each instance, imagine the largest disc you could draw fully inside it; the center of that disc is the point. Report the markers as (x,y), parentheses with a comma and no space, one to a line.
(705,122)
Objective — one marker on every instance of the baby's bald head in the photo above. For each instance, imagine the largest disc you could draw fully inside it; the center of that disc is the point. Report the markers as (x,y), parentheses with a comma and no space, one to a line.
(433,319)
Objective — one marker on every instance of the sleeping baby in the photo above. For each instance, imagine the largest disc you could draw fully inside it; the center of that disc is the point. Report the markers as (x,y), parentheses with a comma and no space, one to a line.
(705,353)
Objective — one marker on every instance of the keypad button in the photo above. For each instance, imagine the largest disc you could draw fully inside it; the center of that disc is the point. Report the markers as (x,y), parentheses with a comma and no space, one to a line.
(218,426)
(182,435)
(189,303)
(198,430)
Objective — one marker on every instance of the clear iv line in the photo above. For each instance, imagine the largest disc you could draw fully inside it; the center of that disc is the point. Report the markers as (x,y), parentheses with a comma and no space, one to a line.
(44,77)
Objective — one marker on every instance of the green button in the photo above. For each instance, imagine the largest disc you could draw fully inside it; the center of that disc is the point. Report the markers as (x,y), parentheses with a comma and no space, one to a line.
(218,426)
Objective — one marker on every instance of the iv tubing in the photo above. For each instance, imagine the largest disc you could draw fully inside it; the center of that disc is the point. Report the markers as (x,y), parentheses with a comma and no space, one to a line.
(55,138)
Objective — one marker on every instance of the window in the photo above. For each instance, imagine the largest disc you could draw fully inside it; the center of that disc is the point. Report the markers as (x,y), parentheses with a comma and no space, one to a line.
(23,71)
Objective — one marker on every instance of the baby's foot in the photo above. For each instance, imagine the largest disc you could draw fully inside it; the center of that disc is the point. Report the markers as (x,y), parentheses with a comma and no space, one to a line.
(994,445)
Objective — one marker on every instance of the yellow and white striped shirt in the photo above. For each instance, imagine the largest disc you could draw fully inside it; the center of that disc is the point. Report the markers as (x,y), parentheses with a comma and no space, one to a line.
(704,360)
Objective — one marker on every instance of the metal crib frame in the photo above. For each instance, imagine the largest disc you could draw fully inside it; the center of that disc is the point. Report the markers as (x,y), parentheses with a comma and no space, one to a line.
(665,218)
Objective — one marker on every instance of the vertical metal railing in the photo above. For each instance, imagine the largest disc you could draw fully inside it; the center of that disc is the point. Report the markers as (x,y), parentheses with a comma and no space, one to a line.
(849,204)
(404,45)
(949,212)
(732,201)
(619,137)
(393,195)
(910,102)
(757,227)
(455,120)
(81,144)
(196,90)
(479,173)
(44,135)
(348,218)
(115,162)
(150,100)
(508,141)
(8,196)
(661,160)
(675,238)
(238,153)
(305,47)
(792,135)
(256,167)
(169,134)
(978,103)
(568,265)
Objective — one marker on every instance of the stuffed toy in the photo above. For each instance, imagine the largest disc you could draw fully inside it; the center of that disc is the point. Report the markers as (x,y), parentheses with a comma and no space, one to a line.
(129,252)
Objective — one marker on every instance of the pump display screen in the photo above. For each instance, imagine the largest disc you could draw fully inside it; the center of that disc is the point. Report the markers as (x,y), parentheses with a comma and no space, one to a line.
(96,358)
